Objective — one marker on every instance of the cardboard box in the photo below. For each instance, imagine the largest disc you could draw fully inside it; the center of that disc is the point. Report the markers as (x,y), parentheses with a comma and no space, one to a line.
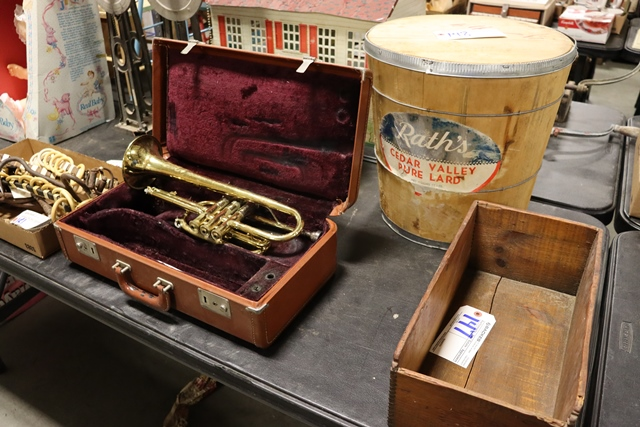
(69,90)
(41,241)
(586,25)
(446,6)
(621,15)
(538,12)
(538,276)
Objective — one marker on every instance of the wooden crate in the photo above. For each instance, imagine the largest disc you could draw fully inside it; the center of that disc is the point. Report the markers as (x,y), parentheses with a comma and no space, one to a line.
(539,276)
(527,11)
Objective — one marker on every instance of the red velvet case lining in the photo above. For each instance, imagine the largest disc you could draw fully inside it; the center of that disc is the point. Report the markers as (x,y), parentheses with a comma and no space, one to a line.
(271,124)
(267,129)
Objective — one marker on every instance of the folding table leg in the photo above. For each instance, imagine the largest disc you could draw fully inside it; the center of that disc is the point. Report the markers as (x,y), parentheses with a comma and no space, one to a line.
(3,282)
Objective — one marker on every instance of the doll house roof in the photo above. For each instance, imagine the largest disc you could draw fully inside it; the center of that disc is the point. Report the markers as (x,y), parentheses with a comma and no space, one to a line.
(366,10)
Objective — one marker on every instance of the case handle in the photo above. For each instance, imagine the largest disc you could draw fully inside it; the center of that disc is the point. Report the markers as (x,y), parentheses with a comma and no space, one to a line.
(161,301)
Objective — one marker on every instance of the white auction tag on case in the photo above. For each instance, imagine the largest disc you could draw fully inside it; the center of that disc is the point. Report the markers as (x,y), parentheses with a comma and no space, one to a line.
(30,220)
(464,334)
(20,193)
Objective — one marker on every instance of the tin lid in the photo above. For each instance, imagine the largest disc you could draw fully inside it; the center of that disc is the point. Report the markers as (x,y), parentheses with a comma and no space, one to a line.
(114,7)
(176,10)
(470,46)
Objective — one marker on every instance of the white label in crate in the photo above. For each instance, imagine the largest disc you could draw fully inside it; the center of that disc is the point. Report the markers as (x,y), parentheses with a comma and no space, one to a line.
(464,334)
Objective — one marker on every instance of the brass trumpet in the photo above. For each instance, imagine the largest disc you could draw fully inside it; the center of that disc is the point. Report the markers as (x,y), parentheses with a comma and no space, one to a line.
(216,222)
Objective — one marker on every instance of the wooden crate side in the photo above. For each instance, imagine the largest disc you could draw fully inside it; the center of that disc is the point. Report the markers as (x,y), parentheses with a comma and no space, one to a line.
(574,375)
(421,401)
(531,248)
(430,313)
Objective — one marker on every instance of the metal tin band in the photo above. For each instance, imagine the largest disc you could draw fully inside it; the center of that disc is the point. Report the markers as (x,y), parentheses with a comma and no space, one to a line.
(412,237)
(454,69)
(516,113)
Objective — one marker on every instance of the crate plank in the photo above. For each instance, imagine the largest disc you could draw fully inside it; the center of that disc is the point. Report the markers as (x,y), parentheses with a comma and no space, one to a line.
(525,348)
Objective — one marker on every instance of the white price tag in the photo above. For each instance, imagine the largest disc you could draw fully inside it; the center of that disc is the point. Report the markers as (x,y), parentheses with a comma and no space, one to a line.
(469,33)
(20,193)
(30,220)
(464,334)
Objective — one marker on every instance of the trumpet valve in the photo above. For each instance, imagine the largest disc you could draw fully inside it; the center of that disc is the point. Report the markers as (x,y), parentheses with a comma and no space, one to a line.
(233,213)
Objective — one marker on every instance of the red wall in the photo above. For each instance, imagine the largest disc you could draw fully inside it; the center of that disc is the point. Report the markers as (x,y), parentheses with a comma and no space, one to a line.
(13,51)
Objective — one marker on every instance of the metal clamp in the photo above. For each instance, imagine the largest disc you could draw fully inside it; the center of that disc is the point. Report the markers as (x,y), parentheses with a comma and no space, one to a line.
(306,61)
(190,45)
(124,267)
(163,284)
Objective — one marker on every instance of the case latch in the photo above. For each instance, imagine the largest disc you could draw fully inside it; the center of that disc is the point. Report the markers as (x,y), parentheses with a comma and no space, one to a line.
(86,247)
(214,302)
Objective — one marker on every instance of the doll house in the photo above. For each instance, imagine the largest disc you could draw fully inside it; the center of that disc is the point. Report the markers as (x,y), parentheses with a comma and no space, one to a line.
(329,30)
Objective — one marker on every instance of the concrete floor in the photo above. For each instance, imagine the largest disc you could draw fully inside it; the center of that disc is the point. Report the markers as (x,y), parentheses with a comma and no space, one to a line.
(621,96)
(65,369)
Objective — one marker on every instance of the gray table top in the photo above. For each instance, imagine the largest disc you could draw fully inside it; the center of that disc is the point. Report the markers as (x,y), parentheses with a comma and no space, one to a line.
(331,365)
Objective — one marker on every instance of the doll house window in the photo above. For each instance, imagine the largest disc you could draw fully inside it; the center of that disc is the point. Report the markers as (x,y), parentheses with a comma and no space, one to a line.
(258,36)
(355,49)
(291,37)
(327,45)
(234,32)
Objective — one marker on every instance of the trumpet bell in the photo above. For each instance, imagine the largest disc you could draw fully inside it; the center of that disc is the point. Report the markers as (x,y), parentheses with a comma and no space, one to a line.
(136,161)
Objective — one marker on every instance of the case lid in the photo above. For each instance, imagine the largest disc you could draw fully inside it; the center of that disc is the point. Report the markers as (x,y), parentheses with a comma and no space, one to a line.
(253,115)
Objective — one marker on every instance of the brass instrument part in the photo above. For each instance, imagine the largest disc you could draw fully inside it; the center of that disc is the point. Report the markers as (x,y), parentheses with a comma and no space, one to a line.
(216,222)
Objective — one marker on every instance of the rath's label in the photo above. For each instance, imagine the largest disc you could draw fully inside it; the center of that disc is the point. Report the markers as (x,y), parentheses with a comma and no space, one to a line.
(437,153)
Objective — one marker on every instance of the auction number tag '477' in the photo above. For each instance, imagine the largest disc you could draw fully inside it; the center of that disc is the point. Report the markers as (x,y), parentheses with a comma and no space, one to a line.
(464,334)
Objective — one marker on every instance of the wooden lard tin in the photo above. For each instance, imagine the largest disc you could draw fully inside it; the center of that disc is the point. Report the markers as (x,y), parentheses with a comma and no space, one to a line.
(462,107)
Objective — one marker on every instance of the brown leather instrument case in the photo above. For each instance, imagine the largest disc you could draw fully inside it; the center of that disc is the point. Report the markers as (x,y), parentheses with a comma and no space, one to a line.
(253,121)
